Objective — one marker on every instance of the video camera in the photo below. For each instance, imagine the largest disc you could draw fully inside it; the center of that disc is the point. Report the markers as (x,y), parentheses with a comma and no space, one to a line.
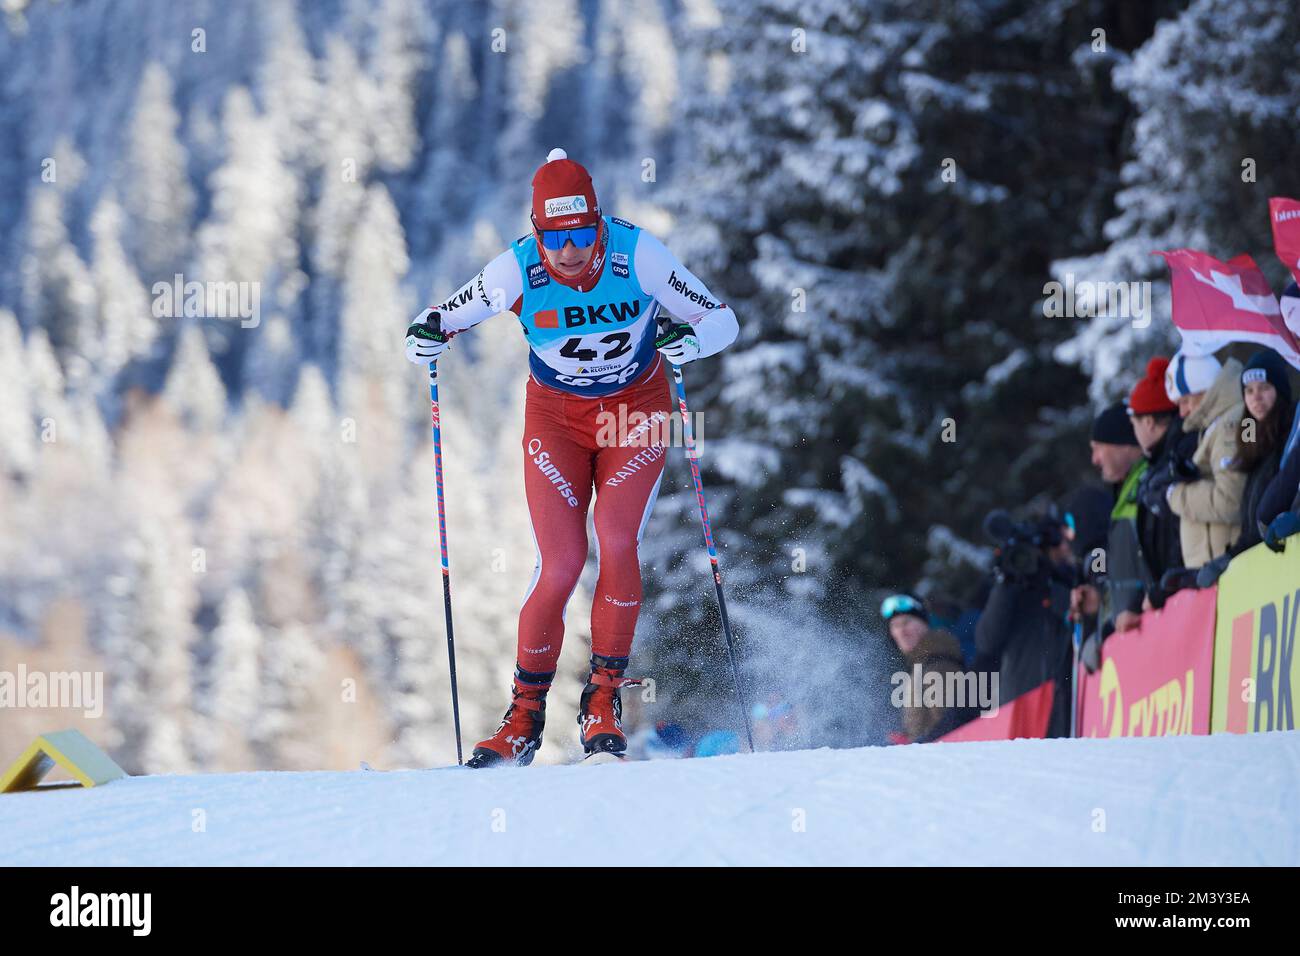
(1021,554)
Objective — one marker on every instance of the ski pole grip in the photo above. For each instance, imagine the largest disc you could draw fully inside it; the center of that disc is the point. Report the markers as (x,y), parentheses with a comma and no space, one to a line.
(434,321)
(672,333)
(430,328)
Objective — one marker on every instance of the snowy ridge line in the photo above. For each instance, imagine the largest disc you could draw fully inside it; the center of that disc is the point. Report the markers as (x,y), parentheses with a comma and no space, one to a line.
(1118,802)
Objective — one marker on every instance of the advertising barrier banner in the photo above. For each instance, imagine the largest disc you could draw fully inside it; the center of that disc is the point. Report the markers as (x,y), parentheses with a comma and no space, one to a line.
(1155,681)
(1255,664)
(1026,716)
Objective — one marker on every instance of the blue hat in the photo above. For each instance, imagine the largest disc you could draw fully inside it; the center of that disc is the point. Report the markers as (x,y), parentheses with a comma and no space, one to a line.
(1268,366)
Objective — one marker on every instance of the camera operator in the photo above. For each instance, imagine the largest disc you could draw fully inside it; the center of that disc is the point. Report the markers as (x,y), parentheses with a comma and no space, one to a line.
(1023,633)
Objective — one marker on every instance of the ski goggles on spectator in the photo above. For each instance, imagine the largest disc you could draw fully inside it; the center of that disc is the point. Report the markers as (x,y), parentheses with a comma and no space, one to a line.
(901,604)
(582,237)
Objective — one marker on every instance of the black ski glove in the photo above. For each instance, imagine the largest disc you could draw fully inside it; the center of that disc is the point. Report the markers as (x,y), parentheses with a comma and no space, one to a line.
(1184,469)
(1177,579)
(1152,490)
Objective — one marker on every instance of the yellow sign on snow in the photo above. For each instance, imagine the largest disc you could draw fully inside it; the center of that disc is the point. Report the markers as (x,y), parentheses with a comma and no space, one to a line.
(69,749)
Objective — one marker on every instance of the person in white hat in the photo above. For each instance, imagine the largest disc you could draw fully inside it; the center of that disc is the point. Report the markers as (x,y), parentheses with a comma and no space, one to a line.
(1207,489)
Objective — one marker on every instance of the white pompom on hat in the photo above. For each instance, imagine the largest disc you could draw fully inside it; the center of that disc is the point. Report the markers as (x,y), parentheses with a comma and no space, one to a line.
(1190,374)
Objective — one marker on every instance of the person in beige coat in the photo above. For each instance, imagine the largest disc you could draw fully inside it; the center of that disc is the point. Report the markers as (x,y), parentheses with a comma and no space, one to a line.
(1207,491)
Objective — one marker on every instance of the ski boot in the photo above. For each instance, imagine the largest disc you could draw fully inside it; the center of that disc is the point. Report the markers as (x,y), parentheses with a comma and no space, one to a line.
(520,734)
(600,713)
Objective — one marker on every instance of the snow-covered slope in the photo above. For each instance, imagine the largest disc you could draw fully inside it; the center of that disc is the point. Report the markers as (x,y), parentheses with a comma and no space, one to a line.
(1205,801)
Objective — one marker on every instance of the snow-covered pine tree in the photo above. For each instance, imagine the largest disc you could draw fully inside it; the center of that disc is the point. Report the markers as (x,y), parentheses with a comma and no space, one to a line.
(899,177)
(231,697)
(57,292)
(1217,99)
(125,326)
(155,184)
(193,388)
(18,437)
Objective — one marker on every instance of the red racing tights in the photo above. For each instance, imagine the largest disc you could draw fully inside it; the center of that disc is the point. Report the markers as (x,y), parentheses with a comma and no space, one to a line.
(572,446)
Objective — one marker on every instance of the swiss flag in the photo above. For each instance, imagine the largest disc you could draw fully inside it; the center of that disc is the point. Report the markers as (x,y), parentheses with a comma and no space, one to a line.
(1217,303)
(1285,214)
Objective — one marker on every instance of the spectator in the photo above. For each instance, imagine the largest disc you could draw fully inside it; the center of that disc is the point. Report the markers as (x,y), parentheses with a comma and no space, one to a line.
(1283,519)
(935,652)
(1087,516)
(1270,413)
(1118,457)
(1206,494)
(1279,506)
(1023,631)
(1160,434)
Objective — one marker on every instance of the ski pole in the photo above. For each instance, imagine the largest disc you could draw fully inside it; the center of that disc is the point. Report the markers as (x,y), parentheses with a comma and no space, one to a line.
(442,537)
(688,436)
(1074,680)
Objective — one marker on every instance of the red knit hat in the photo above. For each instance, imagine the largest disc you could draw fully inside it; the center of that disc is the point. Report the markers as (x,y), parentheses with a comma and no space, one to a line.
(1149,396)
(563,196)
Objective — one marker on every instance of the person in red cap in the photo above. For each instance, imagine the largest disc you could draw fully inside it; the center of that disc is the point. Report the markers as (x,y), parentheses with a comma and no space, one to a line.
(587,290)
(1158,428)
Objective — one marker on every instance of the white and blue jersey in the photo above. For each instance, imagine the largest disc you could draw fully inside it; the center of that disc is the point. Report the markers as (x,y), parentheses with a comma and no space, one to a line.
(592,342)
(595,341)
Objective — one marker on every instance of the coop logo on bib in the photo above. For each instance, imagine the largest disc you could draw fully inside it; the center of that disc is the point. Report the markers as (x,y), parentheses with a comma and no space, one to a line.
(565,206)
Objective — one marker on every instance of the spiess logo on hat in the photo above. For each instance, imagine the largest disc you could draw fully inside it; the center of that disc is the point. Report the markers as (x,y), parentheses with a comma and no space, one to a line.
(565,206)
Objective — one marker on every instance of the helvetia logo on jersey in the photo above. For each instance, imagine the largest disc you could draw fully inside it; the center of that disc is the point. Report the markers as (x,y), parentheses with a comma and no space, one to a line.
(546,319)
(538,276)
(622,222)
(565,206)
(680,286)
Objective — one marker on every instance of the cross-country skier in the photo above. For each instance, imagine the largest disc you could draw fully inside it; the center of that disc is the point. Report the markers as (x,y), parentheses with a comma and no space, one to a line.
(583,287)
